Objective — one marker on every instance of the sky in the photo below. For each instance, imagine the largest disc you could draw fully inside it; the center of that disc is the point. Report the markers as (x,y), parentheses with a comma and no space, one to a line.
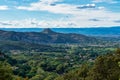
(59,13)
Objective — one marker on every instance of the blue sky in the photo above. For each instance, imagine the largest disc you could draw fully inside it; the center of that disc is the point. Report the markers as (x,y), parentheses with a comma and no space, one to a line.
(59,13)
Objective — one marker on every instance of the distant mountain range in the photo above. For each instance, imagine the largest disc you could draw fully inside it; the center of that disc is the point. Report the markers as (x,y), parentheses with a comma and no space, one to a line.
(101,31)
(45,36)
(37,38)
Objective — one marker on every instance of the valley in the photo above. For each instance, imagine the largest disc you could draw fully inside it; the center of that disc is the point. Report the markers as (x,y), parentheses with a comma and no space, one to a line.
(49,55)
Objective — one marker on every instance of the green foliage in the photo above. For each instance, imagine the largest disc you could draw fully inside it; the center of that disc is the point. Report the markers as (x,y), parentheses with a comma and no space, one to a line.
(5,71)
(62,65)
(37,77)
(105,68)
(60,69)
(79,74)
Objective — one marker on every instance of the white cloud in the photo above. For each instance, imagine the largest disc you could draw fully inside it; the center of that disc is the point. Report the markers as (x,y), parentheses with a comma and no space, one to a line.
(75,21)
(87,6)
(45,5)
(107,1)
(51,6)
(19,23)
(4,7)
(87,15)
(49,1)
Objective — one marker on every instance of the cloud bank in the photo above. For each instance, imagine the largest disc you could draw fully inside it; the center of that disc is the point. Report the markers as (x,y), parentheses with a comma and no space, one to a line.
(76,15)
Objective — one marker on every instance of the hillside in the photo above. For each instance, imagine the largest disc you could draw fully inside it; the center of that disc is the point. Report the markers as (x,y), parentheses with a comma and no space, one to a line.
(24,46)
(100,31)
(46,36)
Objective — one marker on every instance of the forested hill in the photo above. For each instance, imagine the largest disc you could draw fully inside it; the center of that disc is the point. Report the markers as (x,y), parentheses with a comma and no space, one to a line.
(45,36)
(100,31)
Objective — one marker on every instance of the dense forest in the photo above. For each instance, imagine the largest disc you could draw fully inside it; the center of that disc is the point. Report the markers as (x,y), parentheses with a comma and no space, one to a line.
(69,65)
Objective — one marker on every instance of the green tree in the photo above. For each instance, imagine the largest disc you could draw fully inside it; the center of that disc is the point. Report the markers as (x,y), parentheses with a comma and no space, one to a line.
(5,71)
(38,77)
(26,78)
(105,68)
(79,74)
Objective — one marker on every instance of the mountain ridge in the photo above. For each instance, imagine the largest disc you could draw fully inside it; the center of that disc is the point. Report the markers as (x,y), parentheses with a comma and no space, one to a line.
(100,31)
(45,36)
